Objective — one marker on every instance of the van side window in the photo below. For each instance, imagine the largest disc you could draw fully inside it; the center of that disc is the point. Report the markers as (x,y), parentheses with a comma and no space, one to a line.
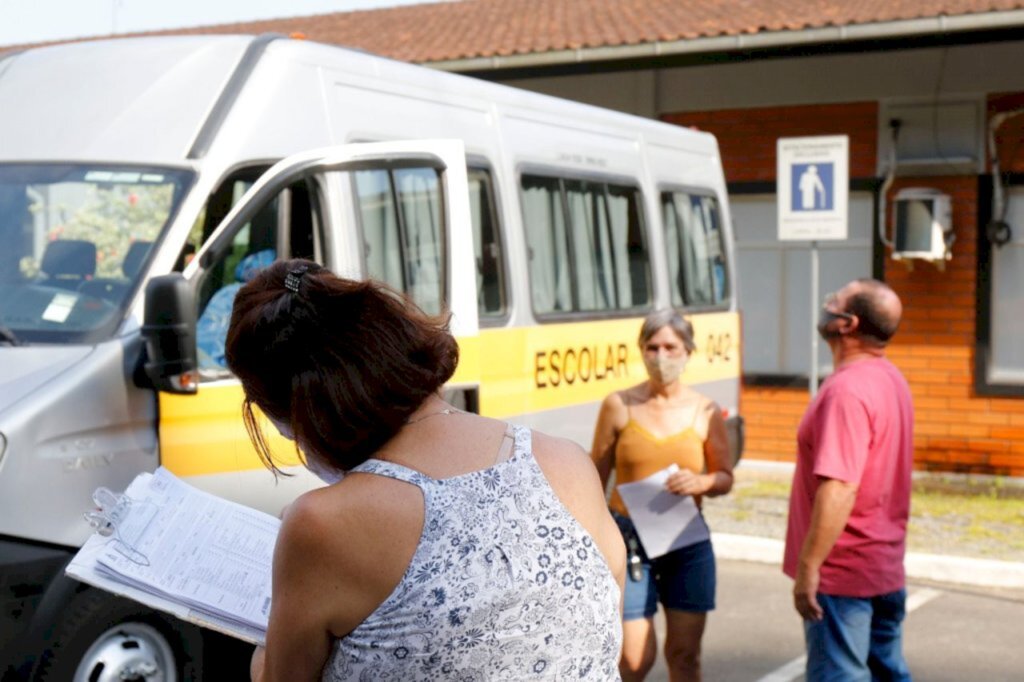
(284,227)
(695,244)
(403,235)
(587,247)
(490,265)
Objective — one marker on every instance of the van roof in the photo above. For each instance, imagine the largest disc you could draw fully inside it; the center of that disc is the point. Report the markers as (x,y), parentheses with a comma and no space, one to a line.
(161,99)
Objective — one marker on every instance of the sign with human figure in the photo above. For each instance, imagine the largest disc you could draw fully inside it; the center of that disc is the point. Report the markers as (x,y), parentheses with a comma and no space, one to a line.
(813,187)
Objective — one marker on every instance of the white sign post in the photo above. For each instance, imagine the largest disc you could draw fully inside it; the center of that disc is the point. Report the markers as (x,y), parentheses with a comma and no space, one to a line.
(813,180)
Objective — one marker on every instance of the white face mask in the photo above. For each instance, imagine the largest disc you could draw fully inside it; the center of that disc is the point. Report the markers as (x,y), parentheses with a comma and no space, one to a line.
(664,369)
(328,475)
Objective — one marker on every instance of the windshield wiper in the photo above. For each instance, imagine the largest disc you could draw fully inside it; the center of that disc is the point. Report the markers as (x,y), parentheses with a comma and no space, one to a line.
(8,336)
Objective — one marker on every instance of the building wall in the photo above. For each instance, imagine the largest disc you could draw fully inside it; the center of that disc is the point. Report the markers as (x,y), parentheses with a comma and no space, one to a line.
(956,429)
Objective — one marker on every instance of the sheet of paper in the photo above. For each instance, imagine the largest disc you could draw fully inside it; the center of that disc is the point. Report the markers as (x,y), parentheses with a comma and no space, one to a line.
(664,521)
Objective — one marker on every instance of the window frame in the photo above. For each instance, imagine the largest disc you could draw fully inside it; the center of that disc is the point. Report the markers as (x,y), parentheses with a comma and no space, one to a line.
(481,164)
(445,240)
(562,175)
(727,248)
(983,293)
(877,257)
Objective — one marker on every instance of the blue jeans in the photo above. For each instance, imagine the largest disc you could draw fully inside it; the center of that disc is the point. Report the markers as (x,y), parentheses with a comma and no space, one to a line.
(857,639)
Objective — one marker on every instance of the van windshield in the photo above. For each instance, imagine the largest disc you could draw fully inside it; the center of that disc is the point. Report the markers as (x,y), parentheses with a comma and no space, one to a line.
(74,240)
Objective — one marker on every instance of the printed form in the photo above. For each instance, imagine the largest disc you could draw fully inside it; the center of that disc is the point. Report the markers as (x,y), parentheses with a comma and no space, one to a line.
(201,552)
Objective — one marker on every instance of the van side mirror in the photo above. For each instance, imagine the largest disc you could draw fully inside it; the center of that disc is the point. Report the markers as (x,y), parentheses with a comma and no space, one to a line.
(169,330)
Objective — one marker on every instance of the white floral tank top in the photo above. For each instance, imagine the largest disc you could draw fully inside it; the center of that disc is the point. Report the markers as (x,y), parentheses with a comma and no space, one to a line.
(504,585)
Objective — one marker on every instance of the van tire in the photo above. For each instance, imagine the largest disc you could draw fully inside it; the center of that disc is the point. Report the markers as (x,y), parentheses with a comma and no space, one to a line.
(103,626)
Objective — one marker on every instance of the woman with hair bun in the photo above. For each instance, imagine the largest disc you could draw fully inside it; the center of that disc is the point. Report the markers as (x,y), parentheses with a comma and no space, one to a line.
(446,545)
(643,430)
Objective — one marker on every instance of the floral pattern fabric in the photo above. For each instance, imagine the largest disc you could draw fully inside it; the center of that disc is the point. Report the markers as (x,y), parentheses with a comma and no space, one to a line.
(504,585)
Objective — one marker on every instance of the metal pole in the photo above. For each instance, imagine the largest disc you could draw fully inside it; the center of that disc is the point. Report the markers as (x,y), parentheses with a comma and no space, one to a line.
(815,302)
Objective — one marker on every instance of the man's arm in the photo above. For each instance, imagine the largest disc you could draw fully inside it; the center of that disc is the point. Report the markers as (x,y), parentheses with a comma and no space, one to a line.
(832,506)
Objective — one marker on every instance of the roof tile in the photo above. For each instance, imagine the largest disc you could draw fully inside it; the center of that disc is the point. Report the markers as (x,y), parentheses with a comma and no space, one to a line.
(483,28)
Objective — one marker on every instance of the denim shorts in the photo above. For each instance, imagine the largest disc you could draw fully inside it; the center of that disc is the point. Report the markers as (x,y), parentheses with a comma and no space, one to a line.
(683,580)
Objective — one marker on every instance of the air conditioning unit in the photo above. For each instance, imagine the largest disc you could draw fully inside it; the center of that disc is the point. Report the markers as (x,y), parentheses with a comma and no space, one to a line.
(923,225)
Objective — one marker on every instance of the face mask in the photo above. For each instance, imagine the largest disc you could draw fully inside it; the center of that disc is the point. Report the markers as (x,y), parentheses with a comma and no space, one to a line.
(664,369)
(825,318)
(328,475)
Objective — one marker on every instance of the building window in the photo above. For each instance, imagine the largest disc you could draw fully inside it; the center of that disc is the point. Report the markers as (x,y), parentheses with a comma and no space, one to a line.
(1006,301)
(774,276)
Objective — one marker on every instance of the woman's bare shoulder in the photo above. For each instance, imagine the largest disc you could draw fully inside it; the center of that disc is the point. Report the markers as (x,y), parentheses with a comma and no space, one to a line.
(562,451)
(634,395)
(336,517)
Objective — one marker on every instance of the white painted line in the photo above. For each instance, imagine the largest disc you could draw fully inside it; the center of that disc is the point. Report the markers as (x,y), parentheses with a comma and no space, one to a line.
(795,668)
(919,598)
(788,672)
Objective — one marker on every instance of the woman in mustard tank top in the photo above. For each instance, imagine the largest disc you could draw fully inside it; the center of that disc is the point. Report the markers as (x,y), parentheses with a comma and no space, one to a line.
(643,430)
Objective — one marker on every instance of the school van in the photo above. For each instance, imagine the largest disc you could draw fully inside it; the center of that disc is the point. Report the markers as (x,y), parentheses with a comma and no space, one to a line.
(144,181)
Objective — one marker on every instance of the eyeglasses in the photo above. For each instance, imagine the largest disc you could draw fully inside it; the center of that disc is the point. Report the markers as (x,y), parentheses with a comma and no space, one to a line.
(830,302)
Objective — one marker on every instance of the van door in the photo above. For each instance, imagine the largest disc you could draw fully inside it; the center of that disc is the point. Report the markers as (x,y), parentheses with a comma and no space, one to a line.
(298,209)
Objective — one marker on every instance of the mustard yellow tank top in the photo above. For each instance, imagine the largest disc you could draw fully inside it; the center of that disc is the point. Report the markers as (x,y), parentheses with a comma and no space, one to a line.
(639,453)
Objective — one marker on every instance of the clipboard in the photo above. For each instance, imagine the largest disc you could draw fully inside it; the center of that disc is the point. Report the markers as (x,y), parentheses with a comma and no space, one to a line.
(176,549)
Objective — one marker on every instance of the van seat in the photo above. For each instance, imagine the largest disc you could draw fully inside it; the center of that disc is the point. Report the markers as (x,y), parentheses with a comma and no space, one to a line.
(134,258)
(68,262)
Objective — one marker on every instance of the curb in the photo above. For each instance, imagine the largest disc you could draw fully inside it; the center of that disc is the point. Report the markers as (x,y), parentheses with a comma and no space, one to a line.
(937,567)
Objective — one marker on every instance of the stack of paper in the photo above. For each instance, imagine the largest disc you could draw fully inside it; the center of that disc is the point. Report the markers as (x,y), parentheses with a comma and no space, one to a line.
(177,549)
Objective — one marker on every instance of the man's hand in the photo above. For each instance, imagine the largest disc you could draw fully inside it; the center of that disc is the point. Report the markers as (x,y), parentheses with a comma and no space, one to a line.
(685,482)
(805,593)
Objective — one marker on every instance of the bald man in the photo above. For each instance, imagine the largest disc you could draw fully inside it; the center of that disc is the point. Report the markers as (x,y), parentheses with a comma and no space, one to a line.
(851,495)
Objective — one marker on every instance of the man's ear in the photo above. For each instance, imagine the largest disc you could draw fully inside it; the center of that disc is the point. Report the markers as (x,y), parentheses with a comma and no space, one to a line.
(852,324)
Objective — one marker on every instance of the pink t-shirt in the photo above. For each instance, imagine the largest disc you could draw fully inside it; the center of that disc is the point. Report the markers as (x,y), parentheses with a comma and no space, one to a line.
(858,429)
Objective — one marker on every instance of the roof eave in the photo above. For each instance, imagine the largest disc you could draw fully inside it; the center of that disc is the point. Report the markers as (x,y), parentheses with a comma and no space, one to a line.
(850,33)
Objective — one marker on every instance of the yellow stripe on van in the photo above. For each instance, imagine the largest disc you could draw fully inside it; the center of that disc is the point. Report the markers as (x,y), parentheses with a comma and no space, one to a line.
(531,369)
(520,370)
(204,433)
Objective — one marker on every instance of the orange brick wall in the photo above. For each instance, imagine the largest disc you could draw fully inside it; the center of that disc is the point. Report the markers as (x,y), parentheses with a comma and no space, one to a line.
(956,429)
(747,137)
(772,416)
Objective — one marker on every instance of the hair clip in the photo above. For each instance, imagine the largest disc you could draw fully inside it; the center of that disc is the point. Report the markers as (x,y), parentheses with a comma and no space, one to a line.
(294,277)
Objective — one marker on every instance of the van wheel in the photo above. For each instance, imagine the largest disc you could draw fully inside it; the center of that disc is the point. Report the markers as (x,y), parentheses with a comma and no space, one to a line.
(103,638)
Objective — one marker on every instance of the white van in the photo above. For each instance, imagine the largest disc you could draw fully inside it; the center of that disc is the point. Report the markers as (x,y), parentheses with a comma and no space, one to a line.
(548,228)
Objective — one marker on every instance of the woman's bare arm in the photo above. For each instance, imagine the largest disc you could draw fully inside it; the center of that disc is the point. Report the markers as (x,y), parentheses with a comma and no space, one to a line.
(606,433)
(716,454)
(298,639)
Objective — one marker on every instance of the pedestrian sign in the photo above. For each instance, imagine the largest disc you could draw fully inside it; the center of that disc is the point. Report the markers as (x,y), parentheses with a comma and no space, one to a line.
(813,184)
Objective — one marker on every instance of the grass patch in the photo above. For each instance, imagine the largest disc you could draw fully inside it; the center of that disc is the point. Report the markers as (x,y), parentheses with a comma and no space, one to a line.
(763,487)
(979,508)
